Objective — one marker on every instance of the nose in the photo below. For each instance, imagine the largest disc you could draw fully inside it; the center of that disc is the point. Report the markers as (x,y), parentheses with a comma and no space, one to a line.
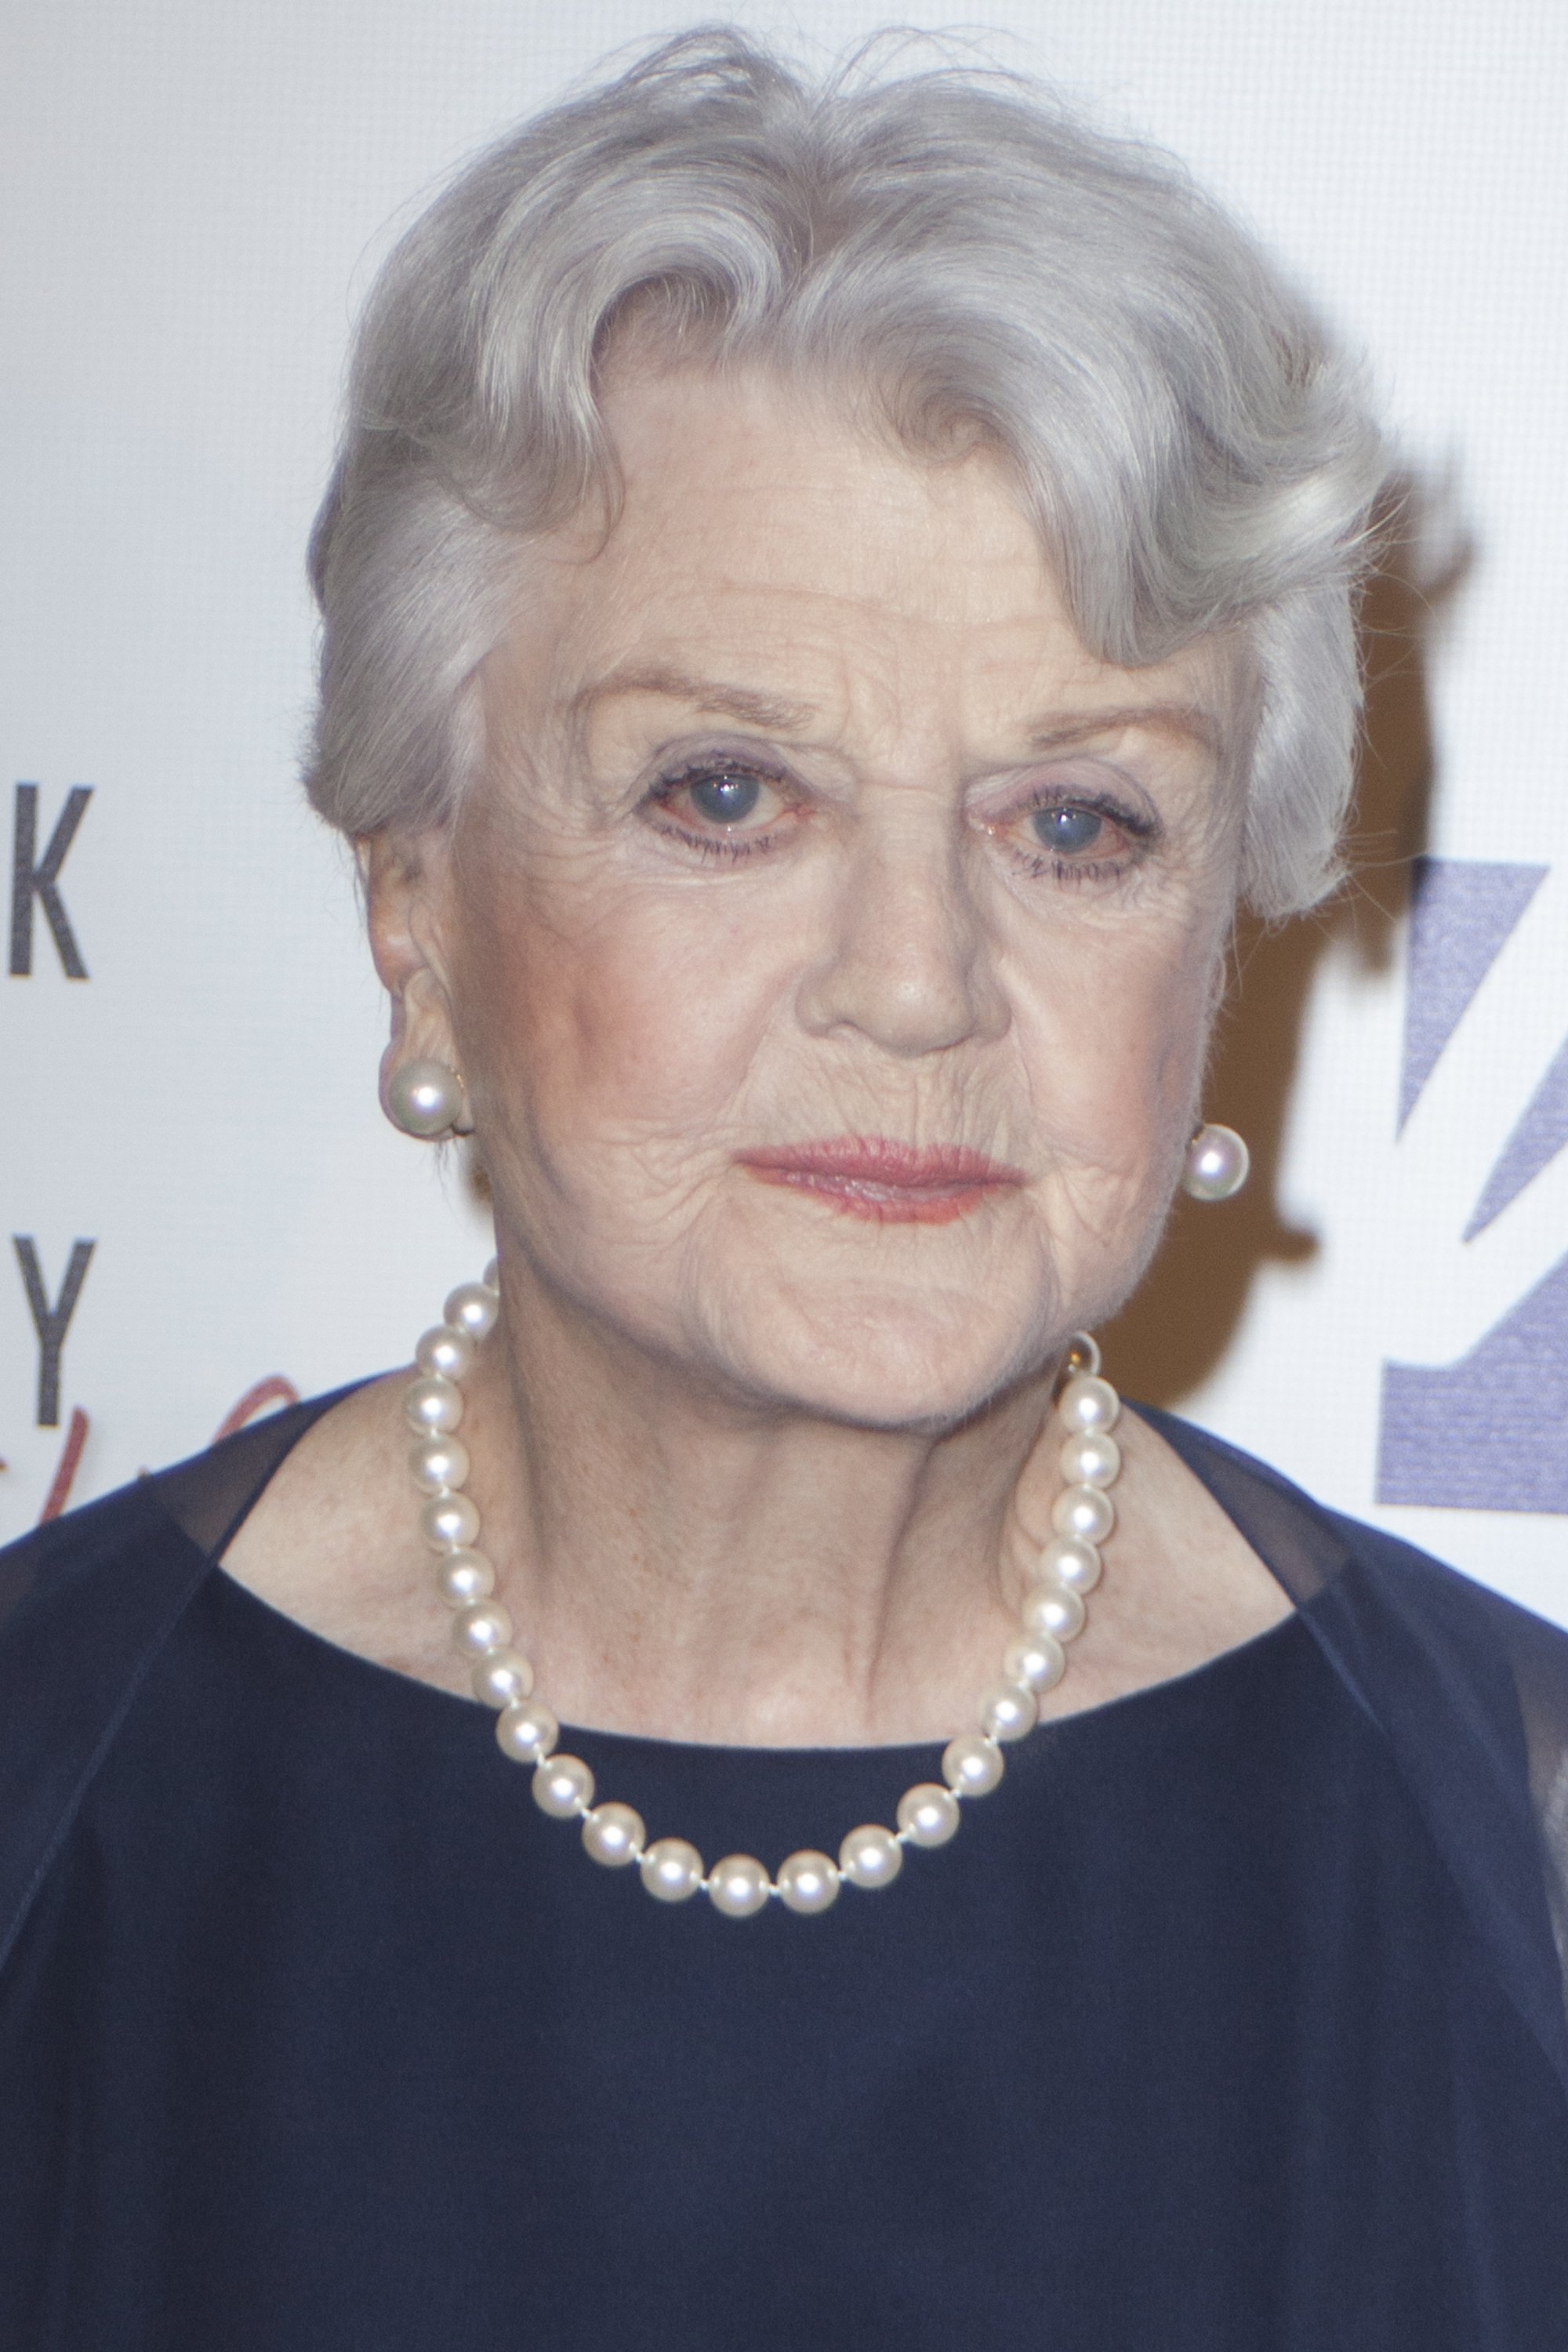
(907,964)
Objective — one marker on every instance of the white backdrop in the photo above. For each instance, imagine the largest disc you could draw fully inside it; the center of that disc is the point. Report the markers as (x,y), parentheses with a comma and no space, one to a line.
(193,199)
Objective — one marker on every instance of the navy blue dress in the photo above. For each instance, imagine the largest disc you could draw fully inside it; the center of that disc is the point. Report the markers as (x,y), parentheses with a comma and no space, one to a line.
(1231,2022)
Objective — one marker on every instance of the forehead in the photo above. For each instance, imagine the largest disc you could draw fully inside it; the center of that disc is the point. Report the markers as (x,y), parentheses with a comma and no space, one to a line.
(766,536)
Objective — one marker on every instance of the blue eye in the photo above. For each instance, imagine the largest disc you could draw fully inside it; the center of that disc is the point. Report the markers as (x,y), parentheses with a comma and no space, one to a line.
(724,799)
(1071,830)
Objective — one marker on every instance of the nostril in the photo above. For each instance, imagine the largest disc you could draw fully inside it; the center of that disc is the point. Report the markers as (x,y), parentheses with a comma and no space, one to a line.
(916,996)
(909,962)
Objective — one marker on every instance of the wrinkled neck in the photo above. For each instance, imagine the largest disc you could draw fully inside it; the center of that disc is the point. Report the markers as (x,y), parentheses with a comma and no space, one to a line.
(700,1565)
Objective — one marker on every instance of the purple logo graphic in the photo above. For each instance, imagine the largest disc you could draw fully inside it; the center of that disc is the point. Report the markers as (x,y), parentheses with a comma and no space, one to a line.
(1541,1132)
(1491,1432)
(1461,916)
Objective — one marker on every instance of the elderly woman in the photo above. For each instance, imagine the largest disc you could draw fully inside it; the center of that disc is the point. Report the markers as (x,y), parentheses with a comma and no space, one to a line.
(830,595)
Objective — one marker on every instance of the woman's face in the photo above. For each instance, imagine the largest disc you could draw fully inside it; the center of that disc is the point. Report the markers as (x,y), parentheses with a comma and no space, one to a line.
(830,948)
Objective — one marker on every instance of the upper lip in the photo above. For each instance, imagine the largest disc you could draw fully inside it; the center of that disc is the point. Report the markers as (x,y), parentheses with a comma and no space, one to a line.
(879,1160)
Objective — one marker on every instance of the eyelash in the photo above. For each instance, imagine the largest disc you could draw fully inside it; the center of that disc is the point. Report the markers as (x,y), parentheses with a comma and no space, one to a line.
(1140,830)
(732,848)
(729,847)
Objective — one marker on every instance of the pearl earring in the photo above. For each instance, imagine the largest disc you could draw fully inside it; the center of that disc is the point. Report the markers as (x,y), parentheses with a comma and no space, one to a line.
(426,1099)
(1216,1165)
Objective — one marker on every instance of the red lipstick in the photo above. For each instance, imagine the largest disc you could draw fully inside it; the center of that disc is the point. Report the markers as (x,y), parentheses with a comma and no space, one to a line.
(890,1184)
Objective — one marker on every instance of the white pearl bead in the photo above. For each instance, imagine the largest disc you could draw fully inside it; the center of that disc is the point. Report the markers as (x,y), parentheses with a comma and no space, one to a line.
(1216,1165)
(1086,1512)
(449,1522)
(432,1405)
(1009,1711)
(527,1733)
(870,1857)
(464,1577)
(1089,1402)
(444,1351)
(503,1678)
(614,1835)
(424,1098)
(491,1274)
(1036,1660)
(562,1785)
(928,1815)
(1050,1609)
(738,1885)
(472,1308)
(438,1462)
(1090,1458)
(672,1870)
(808,1883)
(1067,1560)
(483,1626)
(972,1765)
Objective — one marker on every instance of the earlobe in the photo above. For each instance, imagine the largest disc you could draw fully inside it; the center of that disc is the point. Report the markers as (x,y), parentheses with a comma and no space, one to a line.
(421,1090)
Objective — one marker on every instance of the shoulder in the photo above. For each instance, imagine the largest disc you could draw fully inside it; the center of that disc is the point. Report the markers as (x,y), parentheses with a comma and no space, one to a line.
(58,1581)
(103,1574)
(1468,1690)
(87,1604)
(1309,1547)
(334,1544)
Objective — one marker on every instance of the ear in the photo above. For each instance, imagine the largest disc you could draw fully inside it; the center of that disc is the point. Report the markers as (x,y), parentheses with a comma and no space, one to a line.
(406,879)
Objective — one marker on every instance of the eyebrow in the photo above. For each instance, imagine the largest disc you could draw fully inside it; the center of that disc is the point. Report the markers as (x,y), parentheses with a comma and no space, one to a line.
(775,715)
(1188,718)
(742,702)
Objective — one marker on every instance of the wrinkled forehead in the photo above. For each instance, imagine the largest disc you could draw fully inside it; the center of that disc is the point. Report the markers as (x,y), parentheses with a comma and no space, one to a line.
(769,536)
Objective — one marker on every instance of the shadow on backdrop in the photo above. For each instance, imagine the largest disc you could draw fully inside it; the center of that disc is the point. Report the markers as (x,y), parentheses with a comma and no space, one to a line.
(1170,1337)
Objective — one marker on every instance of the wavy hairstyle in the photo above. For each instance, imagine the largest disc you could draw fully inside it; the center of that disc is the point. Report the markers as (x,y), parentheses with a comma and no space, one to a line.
(955,248)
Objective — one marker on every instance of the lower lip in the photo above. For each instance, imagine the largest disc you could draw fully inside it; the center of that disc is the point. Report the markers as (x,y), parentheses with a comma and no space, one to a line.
(881,1204)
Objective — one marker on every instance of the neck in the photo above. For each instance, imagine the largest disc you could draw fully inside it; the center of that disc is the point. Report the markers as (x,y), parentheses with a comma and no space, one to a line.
(690,1566)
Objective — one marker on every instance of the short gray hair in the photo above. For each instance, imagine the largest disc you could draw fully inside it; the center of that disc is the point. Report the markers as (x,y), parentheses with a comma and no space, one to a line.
(1194,450)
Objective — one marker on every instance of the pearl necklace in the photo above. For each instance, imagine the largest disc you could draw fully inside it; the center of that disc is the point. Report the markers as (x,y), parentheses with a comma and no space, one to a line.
(1063,1567)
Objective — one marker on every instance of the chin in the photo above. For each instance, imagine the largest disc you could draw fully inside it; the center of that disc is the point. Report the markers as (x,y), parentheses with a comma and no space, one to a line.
(880,1364)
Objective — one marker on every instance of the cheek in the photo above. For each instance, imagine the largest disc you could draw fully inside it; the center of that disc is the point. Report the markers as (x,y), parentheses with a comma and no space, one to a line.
(614,1013)
(1160,1025)
(1118,1040)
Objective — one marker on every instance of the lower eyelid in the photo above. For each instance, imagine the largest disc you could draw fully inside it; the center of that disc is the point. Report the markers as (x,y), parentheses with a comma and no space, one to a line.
(1072,870)
(731,845)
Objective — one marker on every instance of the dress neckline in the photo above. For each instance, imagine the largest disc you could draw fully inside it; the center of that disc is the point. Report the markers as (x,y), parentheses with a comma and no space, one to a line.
(335,1657)
(285,1430)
